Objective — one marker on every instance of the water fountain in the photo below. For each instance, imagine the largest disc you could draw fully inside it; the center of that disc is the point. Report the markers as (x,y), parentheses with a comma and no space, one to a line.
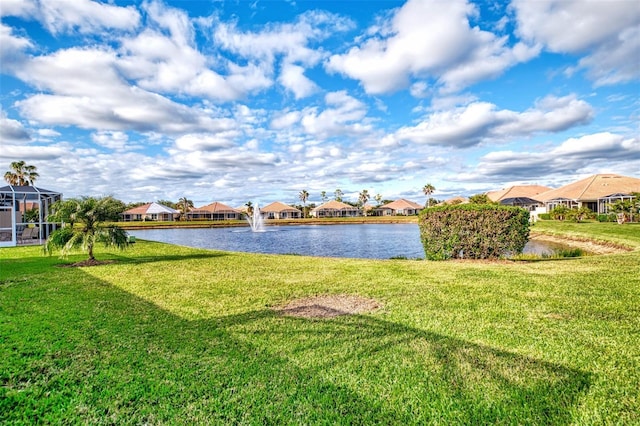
(256,221)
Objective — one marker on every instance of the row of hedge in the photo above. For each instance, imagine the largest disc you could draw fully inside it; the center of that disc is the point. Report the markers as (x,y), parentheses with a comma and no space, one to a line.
(473,231)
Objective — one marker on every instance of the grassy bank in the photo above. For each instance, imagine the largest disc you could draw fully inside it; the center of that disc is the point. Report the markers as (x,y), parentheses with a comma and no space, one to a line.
(169,334)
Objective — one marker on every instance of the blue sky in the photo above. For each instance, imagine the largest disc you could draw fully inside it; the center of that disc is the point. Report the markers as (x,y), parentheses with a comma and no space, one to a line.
(238,101)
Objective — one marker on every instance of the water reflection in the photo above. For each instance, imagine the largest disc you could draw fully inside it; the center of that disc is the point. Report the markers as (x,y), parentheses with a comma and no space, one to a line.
(368,241)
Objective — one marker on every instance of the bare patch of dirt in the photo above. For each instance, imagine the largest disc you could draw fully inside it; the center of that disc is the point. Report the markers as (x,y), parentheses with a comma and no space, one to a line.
(88,262)
(328,306)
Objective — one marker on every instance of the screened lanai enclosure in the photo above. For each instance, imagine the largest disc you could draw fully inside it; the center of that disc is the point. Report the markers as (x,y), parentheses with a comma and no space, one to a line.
(23,214)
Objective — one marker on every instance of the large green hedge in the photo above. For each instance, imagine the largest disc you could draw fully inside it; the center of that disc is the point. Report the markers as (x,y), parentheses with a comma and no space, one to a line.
(473,231)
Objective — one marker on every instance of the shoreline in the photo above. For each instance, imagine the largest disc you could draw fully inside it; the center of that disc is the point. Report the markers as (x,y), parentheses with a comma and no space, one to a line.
(586,244)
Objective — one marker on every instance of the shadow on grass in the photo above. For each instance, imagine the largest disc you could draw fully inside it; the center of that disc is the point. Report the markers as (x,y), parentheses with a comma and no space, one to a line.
(89,352)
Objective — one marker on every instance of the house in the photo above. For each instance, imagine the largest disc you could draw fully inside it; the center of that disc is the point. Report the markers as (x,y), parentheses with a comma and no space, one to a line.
(520,196)
(334,209)
(278,210)
(401,207)
(594,192)
(150,211)
(214,211)
(15,201)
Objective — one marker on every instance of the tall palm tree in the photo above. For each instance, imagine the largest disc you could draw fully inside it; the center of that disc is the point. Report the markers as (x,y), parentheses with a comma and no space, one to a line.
(338,194)
(249,205)
(185,205)
(323,196)
(362,199)
(304,196)
(378,199)
(22,174)
(428,189)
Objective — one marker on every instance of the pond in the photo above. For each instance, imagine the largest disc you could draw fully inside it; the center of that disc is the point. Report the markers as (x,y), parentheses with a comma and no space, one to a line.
(368,241)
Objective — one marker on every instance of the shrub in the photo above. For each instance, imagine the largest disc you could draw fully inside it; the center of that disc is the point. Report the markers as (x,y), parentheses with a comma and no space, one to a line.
(473,231)
(611,217)
(544,216)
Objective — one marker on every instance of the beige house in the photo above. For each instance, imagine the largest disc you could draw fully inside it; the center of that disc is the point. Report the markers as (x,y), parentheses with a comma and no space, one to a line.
(401,207)
(594,192)
(334,209)
(525,196)
(150,211)
(214,211)
(278,210)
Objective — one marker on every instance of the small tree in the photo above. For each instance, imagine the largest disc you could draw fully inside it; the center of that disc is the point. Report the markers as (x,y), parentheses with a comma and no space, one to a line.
(363,197)
(560,212)
(91,214)
(623,209)
(304,196)
(581,214)
(184,205)
(428,189)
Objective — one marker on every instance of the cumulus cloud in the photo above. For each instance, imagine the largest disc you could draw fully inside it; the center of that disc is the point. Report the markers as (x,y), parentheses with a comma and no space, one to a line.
(83,16)
(293,42)
(12,47)
(109,103)
(607,33)
(293,79)
(478,121)
(12,131)
(428,39)
(604,149)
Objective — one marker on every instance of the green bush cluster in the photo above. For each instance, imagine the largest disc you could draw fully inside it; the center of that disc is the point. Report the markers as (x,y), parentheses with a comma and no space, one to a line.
(611,217)
(473,231)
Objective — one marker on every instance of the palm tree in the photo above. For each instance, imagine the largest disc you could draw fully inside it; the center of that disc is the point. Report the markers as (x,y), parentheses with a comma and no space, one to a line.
(338,194)
(428,189)
(22,174)
(249,205)
(323,196)
(362,199)
(304,196)
(185,205)
(91,213)
(378,199)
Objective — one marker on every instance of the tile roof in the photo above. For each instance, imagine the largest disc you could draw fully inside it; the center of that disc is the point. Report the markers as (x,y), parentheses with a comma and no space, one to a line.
(277,207)
(151,208)
(594,187)
(334,205)
(402,204)
(217,207)
(517,191)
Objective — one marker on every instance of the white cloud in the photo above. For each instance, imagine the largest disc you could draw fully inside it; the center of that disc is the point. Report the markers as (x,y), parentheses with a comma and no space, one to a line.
(292,78)
(12,131)
(289,41)
(105,103)
(116,141)
(207,142)
(11,47)
(593,151)
(428,39)
(83,16)
(344,115)
(481,121)
(606,32)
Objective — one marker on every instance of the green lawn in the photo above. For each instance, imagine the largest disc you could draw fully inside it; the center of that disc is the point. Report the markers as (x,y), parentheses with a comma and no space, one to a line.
(169,334)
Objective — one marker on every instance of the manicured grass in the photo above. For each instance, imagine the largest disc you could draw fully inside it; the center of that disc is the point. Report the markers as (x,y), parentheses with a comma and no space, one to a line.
(176,335)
